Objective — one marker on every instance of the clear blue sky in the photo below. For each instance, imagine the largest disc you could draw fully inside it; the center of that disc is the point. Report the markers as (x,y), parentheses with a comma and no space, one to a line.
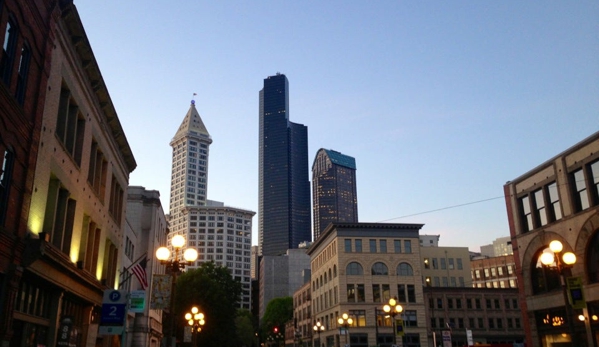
(440,102)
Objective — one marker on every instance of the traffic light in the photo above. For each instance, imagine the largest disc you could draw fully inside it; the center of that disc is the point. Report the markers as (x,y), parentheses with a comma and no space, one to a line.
(275,330)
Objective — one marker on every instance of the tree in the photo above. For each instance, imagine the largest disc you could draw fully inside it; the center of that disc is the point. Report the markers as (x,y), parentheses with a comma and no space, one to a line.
(212,289)
(278,312)
(246,330)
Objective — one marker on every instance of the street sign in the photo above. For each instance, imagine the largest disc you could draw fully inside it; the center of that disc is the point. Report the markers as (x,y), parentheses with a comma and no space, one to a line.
(114,308)
(138,301)
(399,327)
(575,293)
(446,334)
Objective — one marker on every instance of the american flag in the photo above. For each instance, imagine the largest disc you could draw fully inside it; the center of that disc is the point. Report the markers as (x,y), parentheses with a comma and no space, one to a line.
(139,270)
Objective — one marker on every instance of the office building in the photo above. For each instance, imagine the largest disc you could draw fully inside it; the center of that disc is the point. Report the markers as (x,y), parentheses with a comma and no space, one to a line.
(446,266)
(492,316)
(356,269)
(334,194)
(284,189)
(494,272)
(558,201)
(220,233)
(146,230)
(282,275)
(500,246)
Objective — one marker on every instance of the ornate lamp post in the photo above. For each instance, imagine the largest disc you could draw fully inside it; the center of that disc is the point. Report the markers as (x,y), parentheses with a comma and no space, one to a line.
(393,309)
(345,321)
(175,266)
(318,328)
(562,262)
(195,319)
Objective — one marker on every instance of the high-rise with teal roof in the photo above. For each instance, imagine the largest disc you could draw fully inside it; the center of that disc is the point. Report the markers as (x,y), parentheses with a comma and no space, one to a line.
(334,195)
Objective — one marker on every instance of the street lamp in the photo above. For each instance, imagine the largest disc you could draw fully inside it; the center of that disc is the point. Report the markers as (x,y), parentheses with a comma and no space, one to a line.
(196,321)
(393,309)
(175,266)
(318,328)
(566,261)
(345,321)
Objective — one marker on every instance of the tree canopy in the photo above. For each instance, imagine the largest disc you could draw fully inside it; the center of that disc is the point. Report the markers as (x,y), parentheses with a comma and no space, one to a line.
(212,289)
(278,312)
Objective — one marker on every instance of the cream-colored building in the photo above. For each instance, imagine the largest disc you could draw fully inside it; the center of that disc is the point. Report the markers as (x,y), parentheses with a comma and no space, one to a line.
(356,269)
(77,207)
(445,266)
(558,200)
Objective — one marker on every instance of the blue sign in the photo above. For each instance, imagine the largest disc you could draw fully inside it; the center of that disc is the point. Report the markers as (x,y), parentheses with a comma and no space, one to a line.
(113,314)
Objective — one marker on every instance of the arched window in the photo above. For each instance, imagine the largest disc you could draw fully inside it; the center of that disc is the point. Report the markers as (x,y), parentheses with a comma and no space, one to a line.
(405,269)
(544,278)
(593,259)
(354,268)
(380,269)
(334,270)
(330,278)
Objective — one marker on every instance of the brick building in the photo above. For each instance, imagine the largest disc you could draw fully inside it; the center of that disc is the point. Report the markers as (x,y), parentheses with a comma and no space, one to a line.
(558,200)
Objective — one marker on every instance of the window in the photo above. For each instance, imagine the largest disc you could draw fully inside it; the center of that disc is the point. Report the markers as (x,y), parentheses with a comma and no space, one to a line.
(358,246)
(581,198)
(410,319)
(347,245)
(451,265)
(411,293)
(556,208)
(439,303)
(593,171)
(458,303)
(426,263)
(372,246)
(70,127)
(401,293)
(450,303)
(526,213)
(376,293)
(407,245)
(383,246)
(397,246)
(9,48)
(469,303)
(541,213)
(435,265)
(116,200)
(360,297)
(351,293)
(379,269)
(22,73)
(405,269)
(443,264)
(5,178)
(459,261)
(59,216)
(477,304)
(359,317)
(354,268)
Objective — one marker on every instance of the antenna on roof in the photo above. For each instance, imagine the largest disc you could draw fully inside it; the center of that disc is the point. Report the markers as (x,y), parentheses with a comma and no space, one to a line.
(193,101)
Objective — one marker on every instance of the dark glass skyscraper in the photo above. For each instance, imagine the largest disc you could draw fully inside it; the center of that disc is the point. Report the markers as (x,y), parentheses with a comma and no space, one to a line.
(284,189)
(333,189)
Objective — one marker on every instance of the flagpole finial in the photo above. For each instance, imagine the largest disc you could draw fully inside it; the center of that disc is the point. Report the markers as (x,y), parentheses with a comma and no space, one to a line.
(193,101)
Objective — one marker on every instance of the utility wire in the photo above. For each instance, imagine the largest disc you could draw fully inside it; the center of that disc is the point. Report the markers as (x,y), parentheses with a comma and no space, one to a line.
(442,208)
(593,180)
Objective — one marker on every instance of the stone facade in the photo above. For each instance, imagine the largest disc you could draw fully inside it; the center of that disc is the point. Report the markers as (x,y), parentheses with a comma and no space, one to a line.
(558,200)
(356,269)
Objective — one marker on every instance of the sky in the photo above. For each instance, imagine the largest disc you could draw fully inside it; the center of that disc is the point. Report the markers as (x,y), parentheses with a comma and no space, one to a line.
(440,102)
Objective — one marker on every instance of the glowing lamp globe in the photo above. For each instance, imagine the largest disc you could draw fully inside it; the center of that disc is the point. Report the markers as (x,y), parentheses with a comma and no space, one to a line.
(178,241)
(556,246)
(190,255)
(163,253)
(569,258)
(547,259)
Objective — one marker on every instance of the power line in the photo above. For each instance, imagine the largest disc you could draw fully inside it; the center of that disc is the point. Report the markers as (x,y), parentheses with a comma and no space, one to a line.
(443,208)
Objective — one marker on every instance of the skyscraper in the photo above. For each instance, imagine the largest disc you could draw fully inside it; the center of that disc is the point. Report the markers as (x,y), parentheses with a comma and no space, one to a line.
(284,188)
(333,189)
(220,233)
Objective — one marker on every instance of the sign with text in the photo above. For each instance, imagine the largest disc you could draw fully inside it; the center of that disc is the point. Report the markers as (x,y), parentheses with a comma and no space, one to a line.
(114,309)
(446,334)
(575,293)
(137,301)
